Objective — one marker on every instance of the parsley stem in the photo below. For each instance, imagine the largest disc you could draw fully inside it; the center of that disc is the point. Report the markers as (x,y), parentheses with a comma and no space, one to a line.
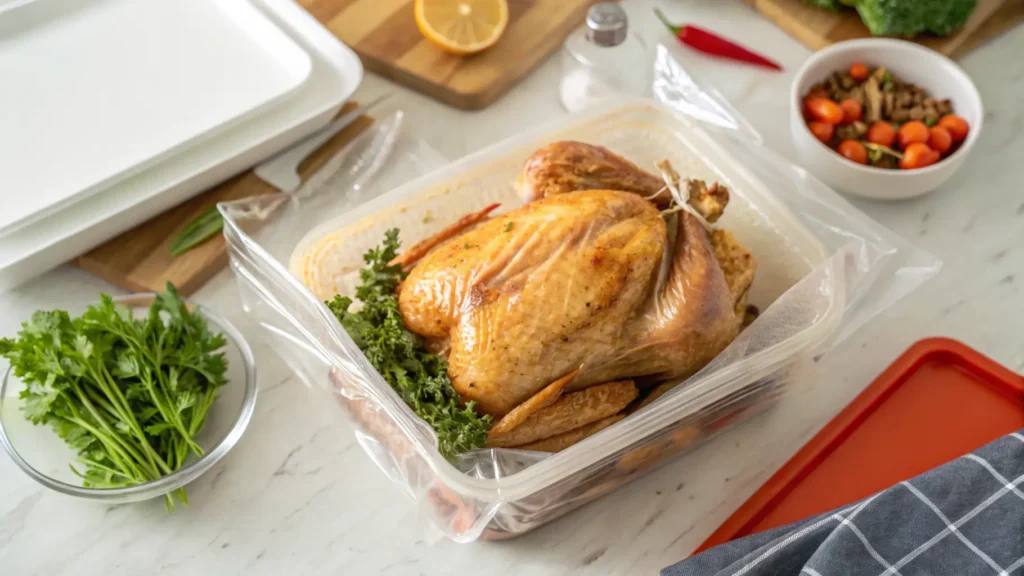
(161,402)
(113,391)
(168,412)
(128,449)
(114,412)
(96,483)
(116,452)
(199,411)
(179,451)
(102,402)
(100,466)
(110,388)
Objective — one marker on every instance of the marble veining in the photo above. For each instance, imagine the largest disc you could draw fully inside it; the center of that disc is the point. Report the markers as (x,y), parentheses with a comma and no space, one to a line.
(298,496)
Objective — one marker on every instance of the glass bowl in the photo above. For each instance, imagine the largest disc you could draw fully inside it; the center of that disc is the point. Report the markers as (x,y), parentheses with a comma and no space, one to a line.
(38,450)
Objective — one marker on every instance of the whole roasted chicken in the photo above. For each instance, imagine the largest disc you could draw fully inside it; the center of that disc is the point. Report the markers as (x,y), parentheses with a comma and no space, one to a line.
(598,279)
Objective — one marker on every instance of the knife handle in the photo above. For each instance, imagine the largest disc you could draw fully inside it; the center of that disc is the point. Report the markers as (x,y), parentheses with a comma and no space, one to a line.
(282,171)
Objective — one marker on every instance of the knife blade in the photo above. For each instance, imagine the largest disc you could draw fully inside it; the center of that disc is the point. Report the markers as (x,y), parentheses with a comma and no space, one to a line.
(282,171)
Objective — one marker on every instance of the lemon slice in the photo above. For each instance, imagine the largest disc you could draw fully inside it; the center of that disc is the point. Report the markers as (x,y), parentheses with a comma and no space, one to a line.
(462,26)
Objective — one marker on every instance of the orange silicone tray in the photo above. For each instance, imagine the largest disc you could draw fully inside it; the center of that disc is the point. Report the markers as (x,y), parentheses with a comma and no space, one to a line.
(936,402)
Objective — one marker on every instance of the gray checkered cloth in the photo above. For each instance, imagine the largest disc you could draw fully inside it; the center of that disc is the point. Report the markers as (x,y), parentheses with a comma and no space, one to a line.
(963,518)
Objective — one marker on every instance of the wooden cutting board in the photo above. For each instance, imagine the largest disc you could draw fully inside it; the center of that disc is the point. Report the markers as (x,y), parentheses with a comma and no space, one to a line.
(384,34)
(817,28)
(140,259)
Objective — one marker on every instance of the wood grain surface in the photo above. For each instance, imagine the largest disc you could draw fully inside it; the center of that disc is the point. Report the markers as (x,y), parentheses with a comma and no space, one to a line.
(140,259)
(817,28)
(384,34)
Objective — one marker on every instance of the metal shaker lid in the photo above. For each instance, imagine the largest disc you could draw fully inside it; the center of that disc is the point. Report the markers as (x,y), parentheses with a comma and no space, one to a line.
(607,24)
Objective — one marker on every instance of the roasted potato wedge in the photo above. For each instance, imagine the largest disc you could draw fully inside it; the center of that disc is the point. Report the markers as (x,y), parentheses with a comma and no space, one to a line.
(546,397)
(568,413)
(560,442)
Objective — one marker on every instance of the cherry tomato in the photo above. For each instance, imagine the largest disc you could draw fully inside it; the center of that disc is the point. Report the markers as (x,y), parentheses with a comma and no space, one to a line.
(956,125)
(825,110)
(817,92)
(822,131)
(852,110)
(859,72)
(807,111)
(853,151)
(940,139)
(913,132)
(882,133)
(918,155)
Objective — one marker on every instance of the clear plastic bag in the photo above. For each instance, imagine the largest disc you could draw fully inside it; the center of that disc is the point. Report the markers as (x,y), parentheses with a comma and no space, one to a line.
(824,269)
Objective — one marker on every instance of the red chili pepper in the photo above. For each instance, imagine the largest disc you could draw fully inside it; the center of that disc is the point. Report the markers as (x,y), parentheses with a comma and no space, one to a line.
(710,43)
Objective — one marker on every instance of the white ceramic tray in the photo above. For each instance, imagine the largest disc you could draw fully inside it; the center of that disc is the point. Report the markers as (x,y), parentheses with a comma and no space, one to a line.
(98,90)
(335,74)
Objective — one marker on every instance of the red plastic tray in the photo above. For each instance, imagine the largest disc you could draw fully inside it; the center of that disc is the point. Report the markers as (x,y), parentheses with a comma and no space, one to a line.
(936,402)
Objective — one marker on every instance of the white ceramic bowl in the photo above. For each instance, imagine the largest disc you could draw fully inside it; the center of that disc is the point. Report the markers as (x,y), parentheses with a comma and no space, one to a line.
(939,75)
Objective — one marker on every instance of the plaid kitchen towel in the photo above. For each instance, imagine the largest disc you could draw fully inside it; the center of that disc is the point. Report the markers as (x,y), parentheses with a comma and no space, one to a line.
(963,518)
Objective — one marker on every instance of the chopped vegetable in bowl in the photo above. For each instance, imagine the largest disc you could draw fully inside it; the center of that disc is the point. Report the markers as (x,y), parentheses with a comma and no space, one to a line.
(871,117)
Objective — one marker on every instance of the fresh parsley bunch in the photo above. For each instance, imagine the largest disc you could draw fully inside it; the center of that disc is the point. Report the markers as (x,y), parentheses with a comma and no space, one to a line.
(129,394)
(420,378)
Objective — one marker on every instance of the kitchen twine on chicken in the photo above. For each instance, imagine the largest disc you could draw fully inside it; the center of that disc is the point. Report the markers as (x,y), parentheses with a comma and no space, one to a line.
(671,178)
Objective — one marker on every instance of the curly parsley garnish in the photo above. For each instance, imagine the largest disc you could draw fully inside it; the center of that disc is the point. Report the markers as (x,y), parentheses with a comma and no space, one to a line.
(129,394)
(420,378)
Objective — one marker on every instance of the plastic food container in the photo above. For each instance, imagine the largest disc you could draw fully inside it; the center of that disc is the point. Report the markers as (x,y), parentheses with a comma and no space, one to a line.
(802,286)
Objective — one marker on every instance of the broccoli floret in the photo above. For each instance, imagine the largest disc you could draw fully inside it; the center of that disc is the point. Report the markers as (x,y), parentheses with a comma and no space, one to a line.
(911,17)
(956,14)
(907,17)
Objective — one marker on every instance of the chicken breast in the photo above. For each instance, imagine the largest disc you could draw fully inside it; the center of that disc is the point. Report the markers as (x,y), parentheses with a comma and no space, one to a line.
(594,280)
(531,295)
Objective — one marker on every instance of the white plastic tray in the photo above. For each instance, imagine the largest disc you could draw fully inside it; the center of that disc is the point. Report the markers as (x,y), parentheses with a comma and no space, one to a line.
(335,74)
(97,90)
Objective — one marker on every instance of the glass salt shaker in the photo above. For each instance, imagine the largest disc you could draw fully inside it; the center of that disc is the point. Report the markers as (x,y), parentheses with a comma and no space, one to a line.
(602,58)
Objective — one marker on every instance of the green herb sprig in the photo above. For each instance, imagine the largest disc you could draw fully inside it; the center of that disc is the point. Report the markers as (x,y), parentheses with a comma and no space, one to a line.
(129,394)
(202,228)
(420,378)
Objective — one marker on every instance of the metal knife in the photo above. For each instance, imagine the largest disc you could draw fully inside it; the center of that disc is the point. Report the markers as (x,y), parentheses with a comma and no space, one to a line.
(282,171)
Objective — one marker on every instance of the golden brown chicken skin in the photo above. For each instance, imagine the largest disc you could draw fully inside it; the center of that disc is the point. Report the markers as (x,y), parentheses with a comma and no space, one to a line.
(596,280)
(531,295)
(568,166)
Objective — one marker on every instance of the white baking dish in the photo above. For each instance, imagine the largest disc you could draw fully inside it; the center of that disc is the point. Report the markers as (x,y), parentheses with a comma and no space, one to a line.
(334,76)
(95,91)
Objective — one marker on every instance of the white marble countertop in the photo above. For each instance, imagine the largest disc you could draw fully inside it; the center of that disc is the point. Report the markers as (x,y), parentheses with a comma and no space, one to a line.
(298,496)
